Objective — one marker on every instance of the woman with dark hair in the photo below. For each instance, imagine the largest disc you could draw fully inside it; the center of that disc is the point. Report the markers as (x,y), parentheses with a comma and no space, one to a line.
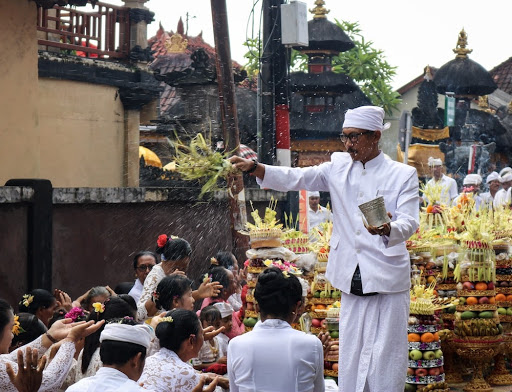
(175,254)
(30,328)
(62,331)
(89,361)
(40,303)
(143,263)
(174,292)
(274,356)
(181,337)
(228,260)
(228,282)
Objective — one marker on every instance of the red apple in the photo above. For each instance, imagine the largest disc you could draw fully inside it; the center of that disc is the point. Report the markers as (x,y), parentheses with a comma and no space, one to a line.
(483,300)
(327,365)
(490,286)
(421,372)
(434,372)
(323,324)
(410,372)
(316,323)
(468,286)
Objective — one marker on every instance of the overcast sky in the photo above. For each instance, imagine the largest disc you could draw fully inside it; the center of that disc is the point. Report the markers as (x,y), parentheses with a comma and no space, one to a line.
(412,34)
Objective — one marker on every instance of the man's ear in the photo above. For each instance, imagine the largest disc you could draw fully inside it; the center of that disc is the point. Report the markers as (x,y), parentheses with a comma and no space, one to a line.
(377,135)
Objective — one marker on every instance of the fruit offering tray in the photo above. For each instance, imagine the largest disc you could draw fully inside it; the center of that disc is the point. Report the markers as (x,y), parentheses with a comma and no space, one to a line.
(504,304)
(426,363)
(425,379)
(505,318)
(475,293)
(255,270)
(503,290)
(446,286)
(251,313)
(424,346)
(476,307)
(420,328)
(330,373)
(503,278)
(324,301)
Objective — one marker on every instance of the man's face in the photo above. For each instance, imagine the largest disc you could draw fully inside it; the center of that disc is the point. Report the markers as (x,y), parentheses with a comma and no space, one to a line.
(437,171)
(360,143)
(507,184)
(144,265)
(314,201)
(494,186)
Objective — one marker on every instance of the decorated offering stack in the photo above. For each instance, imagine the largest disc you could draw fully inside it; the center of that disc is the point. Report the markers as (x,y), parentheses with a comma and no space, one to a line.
(425,355)
(293,239)
(266,251)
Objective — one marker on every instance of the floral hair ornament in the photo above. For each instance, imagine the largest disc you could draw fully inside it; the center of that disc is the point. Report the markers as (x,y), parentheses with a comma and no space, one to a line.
(155,296)
(17,328)
(285,274)
(167,319)
(214,261)
(98,307)
(27,300)
(207,278)
(162,240)
(76,314)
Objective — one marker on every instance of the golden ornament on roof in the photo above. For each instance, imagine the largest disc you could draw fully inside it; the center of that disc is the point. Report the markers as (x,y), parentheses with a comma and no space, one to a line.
(176,44)
(462,42)
(319,12)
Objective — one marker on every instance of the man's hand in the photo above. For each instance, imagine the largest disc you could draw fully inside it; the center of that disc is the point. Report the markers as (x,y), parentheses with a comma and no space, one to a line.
(325,338)
(385,229)
(30,371)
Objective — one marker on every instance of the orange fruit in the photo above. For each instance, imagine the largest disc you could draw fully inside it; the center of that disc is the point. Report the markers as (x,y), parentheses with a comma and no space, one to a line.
(430,208)
(427,337)
(471,301)
(481,286)
(320,307)
(500,297)
(413,337)
(335,367)
(492,300)
(509,298)
(436,337)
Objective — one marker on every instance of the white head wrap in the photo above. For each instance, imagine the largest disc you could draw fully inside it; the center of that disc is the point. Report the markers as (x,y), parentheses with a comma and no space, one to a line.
(305,286)
(435,161)
(507,177)
(140,334)
(224,308)
(505,170)
(472,179)
(313,194)
(366,117)
(491,177)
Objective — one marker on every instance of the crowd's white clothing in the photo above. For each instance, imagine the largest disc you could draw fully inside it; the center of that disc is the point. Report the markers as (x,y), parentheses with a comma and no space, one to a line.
(487,198)
(75,373)
(136,290)
(166,372)
(502,197)
(383,261)
(449,188)
(275,357)
(106,380)
(377,328)
(318,216)
(53,375)
(150,284)
(209,352)
(223,341)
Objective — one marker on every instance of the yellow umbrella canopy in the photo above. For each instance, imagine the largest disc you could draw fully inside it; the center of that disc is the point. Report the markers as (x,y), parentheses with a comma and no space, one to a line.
(150,158)
(171,166)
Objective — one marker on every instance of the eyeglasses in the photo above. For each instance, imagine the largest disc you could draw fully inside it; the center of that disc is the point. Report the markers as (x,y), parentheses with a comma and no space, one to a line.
(143,268)
(353,137)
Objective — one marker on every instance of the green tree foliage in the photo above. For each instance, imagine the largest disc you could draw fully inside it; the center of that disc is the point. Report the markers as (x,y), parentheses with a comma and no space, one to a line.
(366,65)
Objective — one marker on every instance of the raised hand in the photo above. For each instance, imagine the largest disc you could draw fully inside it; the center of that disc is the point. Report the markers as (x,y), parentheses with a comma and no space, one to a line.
(30,371)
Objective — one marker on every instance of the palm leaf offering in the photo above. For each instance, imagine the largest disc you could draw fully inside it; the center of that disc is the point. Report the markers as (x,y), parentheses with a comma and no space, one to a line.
(198,161)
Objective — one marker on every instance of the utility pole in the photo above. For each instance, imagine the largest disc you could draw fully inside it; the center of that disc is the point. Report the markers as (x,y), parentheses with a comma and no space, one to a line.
(226,86)
(274,90)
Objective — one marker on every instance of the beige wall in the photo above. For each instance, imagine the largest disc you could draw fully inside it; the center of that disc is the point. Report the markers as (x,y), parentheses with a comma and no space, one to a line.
(19,135)
(83,134)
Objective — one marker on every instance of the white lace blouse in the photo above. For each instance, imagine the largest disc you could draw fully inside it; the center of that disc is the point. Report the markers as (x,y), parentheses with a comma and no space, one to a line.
(75,373)
(150,284)
(166,372)
(53,375)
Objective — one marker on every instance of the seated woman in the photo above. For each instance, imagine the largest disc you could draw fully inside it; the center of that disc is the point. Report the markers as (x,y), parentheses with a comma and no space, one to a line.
(30,328)
(40,303)
(228,282)
(56,371)
(274,356)
(175,253)
(174,292)
(181,337)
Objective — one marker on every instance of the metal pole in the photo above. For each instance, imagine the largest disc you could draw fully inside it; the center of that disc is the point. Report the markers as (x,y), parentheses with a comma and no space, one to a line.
(226,86)
(408,131)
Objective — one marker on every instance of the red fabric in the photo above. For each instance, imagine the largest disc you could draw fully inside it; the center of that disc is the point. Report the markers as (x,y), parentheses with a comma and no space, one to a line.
(217,368)
(283,127)
(238,327)
(84,54)
(247,152)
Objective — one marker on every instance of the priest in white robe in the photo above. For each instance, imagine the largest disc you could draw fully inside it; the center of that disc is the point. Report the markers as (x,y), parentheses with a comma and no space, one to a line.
(370,265)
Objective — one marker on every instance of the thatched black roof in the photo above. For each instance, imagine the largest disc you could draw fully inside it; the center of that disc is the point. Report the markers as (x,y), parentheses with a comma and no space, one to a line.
(464,76)
(325,82)
(325,35)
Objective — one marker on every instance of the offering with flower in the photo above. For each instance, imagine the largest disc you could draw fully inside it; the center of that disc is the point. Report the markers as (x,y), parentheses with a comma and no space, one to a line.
(292,238)
(265,232)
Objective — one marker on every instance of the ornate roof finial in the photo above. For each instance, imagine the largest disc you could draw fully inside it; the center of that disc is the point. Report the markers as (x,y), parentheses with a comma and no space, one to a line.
(462,42)
(180,29)
(319,12)
(176,44)
(483,102)
(428,73)
(510,107)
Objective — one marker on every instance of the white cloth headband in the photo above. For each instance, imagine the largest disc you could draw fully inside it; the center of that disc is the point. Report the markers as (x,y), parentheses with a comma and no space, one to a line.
(369,118)
(138,334)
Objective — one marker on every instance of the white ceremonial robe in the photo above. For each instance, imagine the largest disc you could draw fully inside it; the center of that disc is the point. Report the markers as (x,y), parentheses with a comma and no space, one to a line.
(274,357)
(136,290)
(106,380)
(317,217)
(502,198)
(383,261)
(449,189)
